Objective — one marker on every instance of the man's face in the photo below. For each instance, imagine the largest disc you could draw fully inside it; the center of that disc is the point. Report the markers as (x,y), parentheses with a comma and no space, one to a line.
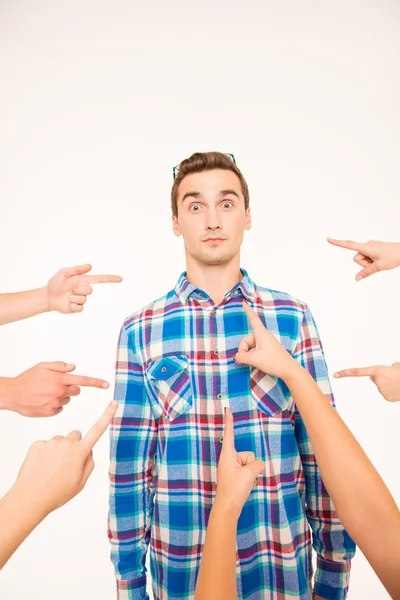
(211,216)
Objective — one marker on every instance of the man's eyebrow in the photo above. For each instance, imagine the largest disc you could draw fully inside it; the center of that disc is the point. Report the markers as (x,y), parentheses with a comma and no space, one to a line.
(227,192)
(220,194)
(191,194)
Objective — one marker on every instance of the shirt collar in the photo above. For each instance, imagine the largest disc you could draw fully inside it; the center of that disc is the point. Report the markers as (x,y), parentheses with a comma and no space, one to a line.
(247,286)
(184,289)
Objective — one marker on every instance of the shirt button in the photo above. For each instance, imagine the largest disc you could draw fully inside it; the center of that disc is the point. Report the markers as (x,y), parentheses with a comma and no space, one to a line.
(214,312)
(216,352)
(200,294)
(221,439)
(163,369)
(219,396)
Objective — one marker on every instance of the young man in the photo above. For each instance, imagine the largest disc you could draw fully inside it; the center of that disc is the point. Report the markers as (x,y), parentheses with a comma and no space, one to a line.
(175,375)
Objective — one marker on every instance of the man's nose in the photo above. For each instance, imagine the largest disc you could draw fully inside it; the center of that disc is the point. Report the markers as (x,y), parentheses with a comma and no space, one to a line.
(213,221)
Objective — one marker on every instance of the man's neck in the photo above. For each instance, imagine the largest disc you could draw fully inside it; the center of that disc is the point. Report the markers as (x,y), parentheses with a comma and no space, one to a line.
(215,280)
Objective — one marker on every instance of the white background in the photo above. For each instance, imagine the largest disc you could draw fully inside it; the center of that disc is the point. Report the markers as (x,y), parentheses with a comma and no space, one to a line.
(99,101)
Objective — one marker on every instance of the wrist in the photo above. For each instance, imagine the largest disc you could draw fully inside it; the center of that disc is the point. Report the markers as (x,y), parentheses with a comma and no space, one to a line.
(293,374)
(292,371)
(398,255)
(5,394)
(226,509)
(44,299)
(33,511)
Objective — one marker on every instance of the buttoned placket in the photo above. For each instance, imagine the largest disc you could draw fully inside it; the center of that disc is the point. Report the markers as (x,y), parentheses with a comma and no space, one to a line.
(217,332)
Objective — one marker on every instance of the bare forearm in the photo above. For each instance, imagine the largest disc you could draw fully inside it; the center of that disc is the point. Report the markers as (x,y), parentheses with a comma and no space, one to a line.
(361,498)
(21,305)
(18,518)
(217,575)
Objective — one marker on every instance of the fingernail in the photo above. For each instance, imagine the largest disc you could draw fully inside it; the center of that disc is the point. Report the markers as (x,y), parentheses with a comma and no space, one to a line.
(113,403)
(105,385)
(358,277)
(69,366)
(336,375)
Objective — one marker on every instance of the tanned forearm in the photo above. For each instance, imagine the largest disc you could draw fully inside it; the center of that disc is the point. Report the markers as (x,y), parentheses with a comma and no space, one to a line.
(18,518)
(362,500)
(21,305)
(217,575)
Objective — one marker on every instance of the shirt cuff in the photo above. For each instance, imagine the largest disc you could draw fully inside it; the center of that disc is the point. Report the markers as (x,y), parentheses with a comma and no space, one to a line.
(332,579)
(132,590)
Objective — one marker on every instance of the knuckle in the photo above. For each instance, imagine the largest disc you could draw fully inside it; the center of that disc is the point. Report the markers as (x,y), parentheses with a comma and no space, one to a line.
(59,391)
(36,445)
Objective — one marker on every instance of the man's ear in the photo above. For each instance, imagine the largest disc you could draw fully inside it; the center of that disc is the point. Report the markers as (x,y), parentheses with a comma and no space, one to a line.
(175,226)
(247,222)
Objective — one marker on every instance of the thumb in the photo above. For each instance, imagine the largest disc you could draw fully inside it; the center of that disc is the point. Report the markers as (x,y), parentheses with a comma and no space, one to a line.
(59,366)
(257,467)
(78,270)
(243,357)
(367,271)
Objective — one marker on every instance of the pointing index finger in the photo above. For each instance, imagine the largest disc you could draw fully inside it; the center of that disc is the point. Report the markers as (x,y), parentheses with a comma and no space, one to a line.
(85,381)
(349,244)
(229,436)
(100,427)
(360,372)
(93,279)
(254,319)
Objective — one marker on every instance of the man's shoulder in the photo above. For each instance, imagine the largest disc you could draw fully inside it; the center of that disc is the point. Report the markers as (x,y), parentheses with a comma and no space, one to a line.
(279,301)
(155,310)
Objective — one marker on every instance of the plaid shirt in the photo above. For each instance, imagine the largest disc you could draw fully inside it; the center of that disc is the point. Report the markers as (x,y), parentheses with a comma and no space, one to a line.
(175,374)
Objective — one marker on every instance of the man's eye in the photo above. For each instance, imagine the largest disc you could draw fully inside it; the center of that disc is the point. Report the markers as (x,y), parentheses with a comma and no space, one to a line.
(194,207)
(227,204)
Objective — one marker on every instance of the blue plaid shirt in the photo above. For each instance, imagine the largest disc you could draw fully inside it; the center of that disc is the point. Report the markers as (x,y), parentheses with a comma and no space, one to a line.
(175,375)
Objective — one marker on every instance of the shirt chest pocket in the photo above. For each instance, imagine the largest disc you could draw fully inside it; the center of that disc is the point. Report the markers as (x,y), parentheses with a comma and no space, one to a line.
(169,386)
(267,394)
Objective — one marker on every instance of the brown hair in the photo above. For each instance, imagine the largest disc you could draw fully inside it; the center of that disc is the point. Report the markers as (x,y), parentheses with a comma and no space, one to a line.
(206,161)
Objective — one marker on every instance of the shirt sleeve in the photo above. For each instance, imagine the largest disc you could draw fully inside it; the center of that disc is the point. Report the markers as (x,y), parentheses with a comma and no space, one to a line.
(133,448)
(333,545)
